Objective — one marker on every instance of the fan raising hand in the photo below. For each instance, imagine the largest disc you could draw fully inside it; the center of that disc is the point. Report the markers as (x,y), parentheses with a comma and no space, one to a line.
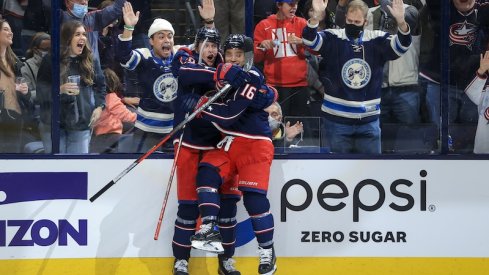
(130,18)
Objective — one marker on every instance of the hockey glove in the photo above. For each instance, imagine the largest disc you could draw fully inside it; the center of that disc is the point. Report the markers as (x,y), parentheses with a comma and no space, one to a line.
(263,98)
(232,74)
(188,102)
(181,57)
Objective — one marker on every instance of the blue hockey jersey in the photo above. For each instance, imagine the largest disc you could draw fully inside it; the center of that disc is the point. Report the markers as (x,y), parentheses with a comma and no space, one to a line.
(352,70)
(198,79)
(159,86)
(233,117)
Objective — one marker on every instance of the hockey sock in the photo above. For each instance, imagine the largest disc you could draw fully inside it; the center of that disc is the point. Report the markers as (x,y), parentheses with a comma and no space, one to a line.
(185,224)
(208,183)
(227,225)
(258,208)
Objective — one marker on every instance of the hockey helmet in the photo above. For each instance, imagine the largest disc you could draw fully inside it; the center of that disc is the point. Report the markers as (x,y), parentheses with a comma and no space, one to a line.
(212,35)
(235,41)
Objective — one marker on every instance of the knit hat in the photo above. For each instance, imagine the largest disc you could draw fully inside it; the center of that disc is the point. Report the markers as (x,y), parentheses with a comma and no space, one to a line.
(160,25)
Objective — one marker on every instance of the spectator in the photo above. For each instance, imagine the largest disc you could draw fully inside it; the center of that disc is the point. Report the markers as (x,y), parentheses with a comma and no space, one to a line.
(467,19)
(39,47)
(281,131)
(351,72)
(13,98)
(14,13)
(107,44)
(108,130)
(329,14)
(37,18)
(278,44)
(478,92)
(400,98)
(155,111)
(94,21)
(77,112)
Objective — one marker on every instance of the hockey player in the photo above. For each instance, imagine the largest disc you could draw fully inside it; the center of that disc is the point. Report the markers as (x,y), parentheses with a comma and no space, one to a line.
(246,150)
(155,110)
(351,71)
(478,92)
(199,138)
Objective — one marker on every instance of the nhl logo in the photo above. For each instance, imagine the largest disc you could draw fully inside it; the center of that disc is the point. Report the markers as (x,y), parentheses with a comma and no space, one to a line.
(356,73)
(165,88)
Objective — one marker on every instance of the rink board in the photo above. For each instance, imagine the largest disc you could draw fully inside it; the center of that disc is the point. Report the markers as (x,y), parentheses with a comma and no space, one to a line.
(331,217)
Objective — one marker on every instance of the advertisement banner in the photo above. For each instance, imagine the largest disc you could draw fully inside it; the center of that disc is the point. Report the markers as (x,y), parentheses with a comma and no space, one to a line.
(321,208)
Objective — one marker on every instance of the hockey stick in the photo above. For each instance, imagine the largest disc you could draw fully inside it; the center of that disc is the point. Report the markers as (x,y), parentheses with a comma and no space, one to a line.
(165,139)
(249,62)
(168,187)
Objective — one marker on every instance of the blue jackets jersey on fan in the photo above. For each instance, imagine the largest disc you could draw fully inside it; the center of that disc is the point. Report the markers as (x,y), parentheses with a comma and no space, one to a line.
(159,86)
(352,70)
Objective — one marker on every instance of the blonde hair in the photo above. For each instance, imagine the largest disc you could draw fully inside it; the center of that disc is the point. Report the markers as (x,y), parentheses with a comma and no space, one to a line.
(358,5)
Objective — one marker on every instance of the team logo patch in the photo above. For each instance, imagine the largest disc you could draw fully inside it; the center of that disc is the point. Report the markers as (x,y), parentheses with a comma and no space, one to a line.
(356,73)
(165,88)
(463,34)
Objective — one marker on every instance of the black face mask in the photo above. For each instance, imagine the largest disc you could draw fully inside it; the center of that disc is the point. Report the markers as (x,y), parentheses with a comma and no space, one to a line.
(353,31)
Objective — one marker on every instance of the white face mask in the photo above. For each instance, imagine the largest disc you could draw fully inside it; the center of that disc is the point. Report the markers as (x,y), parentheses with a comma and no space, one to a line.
(43,53)
(274,124)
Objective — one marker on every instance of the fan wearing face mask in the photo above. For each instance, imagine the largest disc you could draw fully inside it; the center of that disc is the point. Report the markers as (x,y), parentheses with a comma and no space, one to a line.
(279,129)
(352,73)
(401,97)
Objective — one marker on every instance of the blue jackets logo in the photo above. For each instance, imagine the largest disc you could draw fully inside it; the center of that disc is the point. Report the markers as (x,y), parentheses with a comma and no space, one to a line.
(37,186)
(165,88)
(356,73)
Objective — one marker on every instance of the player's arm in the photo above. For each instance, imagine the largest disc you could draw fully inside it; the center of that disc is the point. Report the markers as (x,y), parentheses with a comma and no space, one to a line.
(229,112)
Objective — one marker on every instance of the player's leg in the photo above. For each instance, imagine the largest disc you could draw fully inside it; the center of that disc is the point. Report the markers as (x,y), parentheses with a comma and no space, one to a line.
(254,173)
(188,211)
(212,169)
(227,225)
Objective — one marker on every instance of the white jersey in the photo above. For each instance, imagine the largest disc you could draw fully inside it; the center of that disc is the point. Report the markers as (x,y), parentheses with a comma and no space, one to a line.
(478,92)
